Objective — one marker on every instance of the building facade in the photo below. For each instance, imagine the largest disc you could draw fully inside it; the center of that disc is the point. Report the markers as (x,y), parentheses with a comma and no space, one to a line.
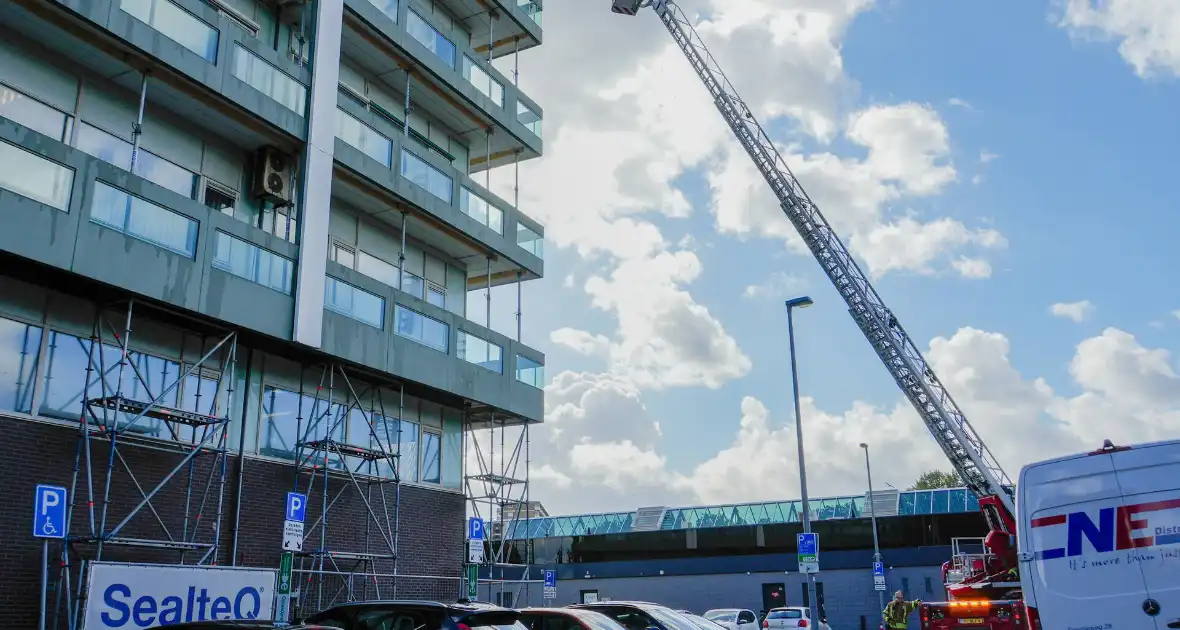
(744,556)
(237,239)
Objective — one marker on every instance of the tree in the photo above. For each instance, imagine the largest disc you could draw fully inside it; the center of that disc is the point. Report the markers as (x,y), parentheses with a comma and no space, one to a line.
(934,479)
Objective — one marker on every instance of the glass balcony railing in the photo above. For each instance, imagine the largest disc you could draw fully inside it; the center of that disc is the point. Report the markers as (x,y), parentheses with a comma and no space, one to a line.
(251,262)
(260,75)
(481,210)
(428,36)
(417,327)
(530,241)
(531,9)
(479,351)
(483,81)
(30,175)
(364,138)
(530,372)
(527,117)
(426,176)
(345,299)
(123,212)
(176,24)
(388,7)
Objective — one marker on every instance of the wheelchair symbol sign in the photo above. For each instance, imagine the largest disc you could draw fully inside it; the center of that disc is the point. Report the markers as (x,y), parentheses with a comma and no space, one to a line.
(49,512)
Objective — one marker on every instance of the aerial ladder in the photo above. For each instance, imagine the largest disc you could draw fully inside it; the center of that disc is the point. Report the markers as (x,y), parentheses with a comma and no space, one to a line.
(988,576)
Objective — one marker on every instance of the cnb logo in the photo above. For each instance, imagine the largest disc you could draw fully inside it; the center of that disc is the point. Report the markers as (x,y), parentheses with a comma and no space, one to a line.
(1114,530)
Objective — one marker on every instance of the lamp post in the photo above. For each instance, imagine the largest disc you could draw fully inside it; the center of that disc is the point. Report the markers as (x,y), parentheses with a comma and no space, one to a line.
(873,516)
(792,304)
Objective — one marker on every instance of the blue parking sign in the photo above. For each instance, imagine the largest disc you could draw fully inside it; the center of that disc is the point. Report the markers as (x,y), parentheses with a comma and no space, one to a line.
(550,578)
(296,506)
(49,512)
(475,528)
(878,569)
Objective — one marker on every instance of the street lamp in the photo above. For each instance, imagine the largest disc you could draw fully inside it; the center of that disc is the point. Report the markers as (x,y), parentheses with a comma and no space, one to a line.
(792,304)
(873,516)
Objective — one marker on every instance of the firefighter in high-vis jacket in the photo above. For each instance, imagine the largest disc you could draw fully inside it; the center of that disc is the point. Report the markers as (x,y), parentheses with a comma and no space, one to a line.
(898,610)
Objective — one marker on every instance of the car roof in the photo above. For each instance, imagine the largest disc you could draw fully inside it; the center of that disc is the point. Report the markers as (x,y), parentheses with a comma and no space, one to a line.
(465,606)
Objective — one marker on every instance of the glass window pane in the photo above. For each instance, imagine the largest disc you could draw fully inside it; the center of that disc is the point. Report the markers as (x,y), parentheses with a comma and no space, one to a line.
(479,351)
(529,371)
(431,471)
(408,459)
(30,175)
(363,137)
(279,430)
(436,296)
(452,449)
(176,24)
(483,81)
(426,35)
(413,285)
(160,171)
(32,113)
(426,176)
(529,118)
(531,9)
(376,268)
(260,75)
(251,262)
(530,241)
(143,219)
(479,209)
(21,345)
(388,7)
(354,302)
(420,328)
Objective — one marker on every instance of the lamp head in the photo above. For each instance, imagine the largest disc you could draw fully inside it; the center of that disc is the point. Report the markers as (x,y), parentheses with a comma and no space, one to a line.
(799,302)
(863,445)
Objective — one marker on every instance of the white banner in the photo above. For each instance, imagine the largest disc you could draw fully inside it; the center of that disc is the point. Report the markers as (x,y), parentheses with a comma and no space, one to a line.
(122,595)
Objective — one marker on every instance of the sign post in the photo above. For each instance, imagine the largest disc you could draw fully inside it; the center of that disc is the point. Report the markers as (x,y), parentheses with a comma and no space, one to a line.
(293,515)
(878,576)
(49,522)
(550,584)
(808,547)
(473,582)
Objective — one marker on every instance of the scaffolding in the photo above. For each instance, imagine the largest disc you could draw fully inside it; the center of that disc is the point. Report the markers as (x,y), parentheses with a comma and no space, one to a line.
(111,495)
(497,490)
(333,461)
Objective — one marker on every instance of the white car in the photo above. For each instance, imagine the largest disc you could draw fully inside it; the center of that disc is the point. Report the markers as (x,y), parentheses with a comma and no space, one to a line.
(789,618)
(733,618)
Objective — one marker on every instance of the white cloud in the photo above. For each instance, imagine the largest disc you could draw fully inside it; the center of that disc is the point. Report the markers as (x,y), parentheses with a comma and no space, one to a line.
(972,267)
(1077,311)
(1148,31)
(580,341)
(958,102)
(778,285)
(987,156)
(1176,313)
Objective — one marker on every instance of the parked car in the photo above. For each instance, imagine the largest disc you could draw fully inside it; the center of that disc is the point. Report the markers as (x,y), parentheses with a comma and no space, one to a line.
(240,625)
(566,619)
(641,615)
(417,615)
(733,618)
(787,618)
(701,622)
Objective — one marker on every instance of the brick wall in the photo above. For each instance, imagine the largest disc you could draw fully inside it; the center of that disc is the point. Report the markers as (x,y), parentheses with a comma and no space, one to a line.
(430,536)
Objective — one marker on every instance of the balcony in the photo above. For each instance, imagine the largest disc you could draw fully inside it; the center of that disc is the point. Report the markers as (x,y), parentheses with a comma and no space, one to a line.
(451,82)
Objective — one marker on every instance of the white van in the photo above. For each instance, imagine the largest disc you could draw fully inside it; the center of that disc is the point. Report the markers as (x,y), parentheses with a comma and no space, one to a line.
(1099,539)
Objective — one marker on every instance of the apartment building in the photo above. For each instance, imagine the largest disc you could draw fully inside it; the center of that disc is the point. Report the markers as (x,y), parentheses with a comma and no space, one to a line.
(237,239)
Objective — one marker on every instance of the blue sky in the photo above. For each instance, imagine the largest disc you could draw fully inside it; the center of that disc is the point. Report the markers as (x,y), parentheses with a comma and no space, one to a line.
(1057,139)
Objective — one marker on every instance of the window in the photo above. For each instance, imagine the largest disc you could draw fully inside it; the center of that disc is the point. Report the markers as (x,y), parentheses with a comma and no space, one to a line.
(418,327)
(289,419)
(785,614)
(413,284)
(376,268)
(388,7)
(176,24)
(407,464)
(142,219)
(344,254)
(483,353)
(149,166)
(530,372)
(426,176)
(479,209)
(219,198)
(429,37)
(33,114)
(251,262)
(21,345)
(530,241)
(527,117)
(30,175)
(260,75)
(364,138)
(354,302)
(430,457)
(483,81)
(436,295)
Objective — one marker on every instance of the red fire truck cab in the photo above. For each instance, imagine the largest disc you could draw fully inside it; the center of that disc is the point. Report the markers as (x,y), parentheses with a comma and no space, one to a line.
(981,614)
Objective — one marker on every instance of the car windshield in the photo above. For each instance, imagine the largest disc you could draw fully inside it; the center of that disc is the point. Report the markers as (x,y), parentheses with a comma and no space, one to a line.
(597,621)
(671,619)
(701,622)
(785,614)
(724,616)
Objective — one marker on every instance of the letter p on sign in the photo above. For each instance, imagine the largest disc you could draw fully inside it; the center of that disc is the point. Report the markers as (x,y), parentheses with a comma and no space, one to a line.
(296,506)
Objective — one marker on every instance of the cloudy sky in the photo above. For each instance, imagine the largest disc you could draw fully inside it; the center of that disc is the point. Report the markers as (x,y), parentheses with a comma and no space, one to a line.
(1005,171)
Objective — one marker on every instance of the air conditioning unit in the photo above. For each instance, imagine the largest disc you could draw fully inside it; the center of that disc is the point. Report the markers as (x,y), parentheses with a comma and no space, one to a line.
(272,176)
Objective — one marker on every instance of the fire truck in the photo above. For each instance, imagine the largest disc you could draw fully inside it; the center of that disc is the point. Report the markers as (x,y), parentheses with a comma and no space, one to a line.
(982,583)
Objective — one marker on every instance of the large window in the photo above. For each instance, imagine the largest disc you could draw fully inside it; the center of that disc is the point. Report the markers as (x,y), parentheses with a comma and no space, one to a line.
(431,461)
(479,351)
(429,37)
(376,268)
(260,75)
(529,118)
(249,261)
(530,241)
(418,327)
(34,114)
(483,81)
(176,24)
(149,166)
(363,137)
(354,302)
(142,219)
(288,420)
(21,346)
(426,176)
(530,372)
(479,209)
(30,175)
